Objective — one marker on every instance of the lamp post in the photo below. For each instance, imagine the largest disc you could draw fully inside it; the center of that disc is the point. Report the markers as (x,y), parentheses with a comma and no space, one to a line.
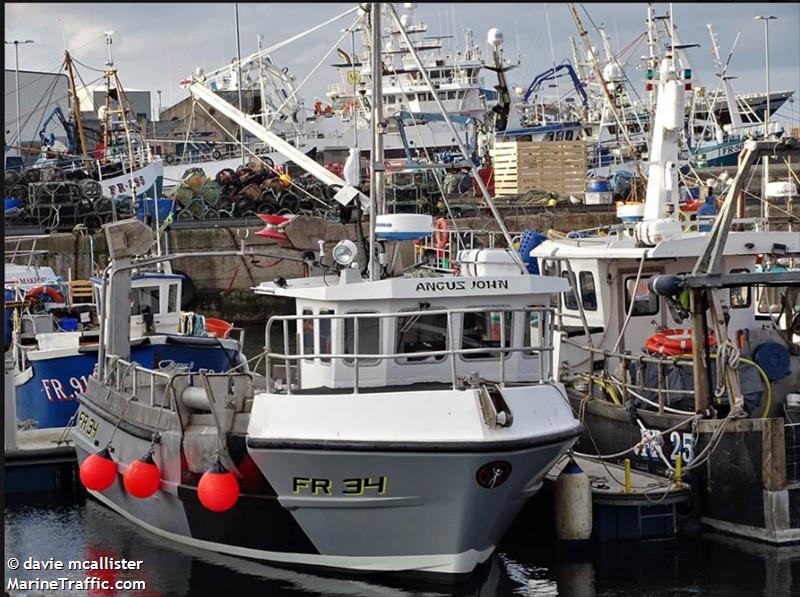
(764,204)
(766,20)
(16,44)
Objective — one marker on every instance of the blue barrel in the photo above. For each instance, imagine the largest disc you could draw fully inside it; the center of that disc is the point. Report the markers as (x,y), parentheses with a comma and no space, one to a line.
(598,185)
(530,240)
(145,206)
(773,358)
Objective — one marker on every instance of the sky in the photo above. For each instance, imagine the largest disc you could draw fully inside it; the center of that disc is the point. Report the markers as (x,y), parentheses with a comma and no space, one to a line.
(158,44)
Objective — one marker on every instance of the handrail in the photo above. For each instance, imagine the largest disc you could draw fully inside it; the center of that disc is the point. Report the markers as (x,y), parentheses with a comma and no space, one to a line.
(501,351)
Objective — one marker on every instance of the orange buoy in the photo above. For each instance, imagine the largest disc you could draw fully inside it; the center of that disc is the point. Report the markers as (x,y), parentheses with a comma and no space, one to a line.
(98,471)
(142,478)
(218,489)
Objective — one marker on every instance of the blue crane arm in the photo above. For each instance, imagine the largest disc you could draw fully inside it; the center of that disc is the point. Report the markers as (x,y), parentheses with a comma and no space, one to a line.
(59,115)
(552,73)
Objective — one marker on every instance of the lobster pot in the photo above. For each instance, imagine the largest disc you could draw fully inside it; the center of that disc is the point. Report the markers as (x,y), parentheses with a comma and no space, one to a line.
(183,194)
(91,189)
(210,192)
(194,179)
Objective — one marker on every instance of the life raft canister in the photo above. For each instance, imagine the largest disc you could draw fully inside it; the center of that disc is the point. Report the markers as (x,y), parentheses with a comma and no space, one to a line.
(674,342)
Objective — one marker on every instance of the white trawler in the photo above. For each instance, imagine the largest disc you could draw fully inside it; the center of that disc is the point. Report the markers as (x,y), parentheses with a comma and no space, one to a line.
(342,120)
(400,425)
(668,396)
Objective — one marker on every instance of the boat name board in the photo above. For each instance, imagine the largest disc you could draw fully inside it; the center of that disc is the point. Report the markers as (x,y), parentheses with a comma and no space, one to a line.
(442,286)
(54,389)
(350,487)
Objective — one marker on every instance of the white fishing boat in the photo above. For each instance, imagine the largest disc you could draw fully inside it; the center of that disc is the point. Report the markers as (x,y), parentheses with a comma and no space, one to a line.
(668,396)
(400,425)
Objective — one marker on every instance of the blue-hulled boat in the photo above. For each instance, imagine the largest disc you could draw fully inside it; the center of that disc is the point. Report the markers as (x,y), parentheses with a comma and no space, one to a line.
(56,348)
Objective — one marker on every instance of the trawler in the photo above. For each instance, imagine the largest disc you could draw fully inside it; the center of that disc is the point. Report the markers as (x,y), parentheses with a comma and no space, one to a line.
(667,395)
(400,423)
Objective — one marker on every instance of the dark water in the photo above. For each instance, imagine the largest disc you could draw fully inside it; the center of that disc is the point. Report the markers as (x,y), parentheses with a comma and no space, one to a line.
(524,564)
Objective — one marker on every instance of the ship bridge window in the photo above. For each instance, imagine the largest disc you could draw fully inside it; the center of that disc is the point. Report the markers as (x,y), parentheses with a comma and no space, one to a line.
(307,344)
(421,333)
(644,301)
(325,335)
(740,296)
(482,330)
(145,299)
(549,137)
(534,332)
(368,338)
(588,291)
(172,299)
(568,135)
(560,136)
(570,300)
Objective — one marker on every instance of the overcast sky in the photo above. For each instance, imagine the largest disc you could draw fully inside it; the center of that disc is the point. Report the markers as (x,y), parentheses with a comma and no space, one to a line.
(156,45)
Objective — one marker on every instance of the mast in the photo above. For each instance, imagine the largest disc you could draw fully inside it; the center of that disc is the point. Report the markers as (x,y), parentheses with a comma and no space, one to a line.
(76,108)
(376,165)
(239,80)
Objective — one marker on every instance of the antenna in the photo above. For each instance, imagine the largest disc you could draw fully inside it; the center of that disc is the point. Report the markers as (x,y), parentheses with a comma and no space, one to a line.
(109,41)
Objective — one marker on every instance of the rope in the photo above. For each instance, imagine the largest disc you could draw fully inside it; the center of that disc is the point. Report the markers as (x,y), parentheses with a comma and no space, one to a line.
(728,356)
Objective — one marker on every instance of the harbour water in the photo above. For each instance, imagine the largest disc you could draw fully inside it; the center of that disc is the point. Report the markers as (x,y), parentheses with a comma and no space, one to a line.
(524,564)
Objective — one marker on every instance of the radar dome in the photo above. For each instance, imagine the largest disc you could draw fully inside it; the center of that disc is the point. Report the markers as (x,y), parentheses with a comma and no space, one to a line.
(494,37)
(612,72)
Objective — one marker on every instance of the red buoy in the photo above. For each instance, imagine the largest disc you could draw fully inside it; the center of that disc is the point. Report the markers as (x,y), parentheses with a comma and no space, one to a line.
(142,478)
(218,489)
(98,471)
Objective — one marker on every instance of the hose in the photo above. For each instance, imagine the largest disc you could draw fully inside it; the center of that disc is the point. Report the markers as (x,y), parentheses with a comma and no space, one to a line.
(764,378)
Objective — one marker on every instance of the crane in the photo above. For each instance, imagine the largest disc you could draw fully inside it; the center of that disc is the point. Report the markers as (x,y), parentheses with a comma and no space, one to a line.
(553,73)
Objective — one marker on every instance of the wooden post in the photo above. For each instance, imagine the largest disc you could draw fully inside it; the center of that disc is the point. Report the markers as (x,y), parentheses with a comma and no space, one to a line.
(699,372)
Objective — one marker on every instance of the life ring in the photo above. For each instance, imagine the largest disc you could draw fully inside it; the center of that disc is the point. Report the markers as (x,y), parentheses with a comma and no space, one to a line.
(440,234)
(169,158)
(674,342)
(216,154)
(35,293)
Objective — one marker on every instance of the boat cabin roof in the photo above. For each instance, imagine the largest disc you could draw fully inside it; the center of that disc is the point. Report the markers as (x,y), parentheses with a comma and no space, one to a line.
(688,245)
(331,289)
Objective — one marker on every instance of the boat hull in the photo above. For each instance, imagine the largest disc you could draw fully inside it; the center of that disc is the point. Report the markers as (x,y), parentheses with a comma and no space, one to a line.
(46,390)
(432,517)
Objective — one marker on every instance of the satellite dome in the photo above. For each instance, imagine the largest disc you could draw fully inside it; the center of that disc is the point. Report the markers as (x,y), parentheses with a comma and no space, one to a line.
(495,37)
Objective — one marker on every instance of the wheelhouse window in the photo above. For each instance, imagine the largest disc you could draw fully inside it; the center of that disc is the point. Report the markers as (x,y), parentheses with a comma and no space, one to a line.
(533,335)
(570,300)
(644,301)
(588,291)
(421,333)
(308,332)
(549,268)
(172,299)
(325,335)
(368,338)
(483,330)
(145,299)
(740,296)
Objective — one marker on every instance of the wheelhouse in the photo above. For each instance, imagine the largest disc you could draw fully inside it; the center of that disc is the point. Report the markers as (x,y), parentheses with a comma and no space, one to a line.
(412,331)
